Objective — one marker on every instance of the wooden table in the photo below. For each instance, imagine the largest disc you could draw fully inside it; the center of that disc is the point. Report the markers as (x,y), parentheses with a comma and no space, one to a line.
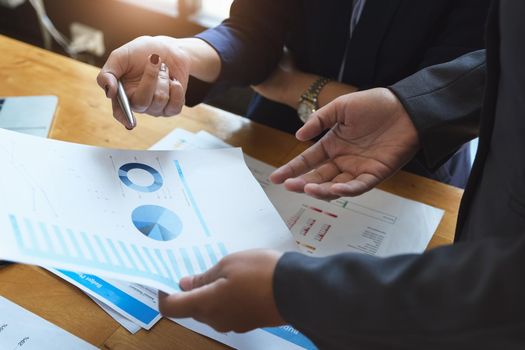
(84,116)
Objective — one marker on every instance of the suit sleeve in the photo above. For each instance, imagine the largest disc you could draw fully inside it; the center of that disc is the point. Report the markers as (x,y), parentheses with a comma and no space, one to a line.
(469,295)
(460,294)
(249,43)
(444,102)
(459,32)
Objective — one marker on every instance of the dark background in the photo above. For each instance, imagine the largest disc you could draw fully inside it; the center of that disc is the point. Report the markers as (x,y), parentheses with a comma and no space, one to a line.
(119,21)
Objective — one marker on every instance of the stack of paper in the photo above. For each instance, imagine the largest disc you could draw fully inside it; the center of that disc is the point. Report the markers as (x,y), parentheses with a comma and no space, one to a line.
(377,223)
(143,217)
(134,222)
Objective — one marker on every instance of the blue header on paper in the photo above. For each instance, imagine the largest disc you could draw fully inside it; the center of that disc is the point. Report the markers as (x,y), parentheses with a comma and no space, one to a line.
(124,301)
(292,335)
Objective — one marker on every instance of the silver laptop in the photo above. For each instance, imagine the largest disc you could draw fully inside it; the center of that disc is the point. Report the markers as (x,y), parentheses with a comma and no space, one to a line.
(28,114)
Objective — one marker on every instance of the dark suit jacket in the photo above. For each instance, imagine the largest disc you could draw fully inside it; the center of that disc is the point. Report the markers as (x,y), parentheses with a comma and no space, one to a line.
(465,296)
(392,40)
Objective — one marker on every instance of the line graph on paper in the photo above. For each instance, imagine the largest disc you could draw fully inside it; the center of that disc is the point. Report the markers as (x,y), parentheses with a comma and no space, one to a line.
(165,265)
(39,196)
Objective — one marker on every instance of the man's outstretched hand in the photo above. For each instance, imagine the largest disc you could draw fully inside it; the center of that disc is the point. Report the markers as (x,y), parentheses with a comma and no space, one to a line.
(371,137)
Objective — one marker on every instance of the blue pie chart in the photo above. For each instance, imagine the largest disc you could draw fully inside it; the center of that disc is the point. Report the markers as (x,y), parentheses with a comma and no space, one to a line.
(157,222)
(156,178)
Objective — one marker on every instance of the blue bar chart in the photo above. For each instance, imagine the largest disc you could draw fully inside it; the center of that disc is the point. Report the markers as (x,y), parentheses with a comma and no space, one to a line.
(191,198)
(65,245)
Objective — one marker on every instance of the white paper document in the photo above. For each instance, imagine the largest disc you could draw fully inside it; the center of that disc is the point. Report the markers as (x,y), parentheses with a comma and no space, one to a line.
(130,326)
(139,216)
(377,223)
(21,329)
(281,338)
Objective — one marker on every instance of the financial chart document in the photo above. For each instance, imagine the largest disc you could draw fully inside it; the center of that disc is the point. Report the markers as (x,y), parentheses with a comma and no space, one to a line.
(140,216)
(377,223)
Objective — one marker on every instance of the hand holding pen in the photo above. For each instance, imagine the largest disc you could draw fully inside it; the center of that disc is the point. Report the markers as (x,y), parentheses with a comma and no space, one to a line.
(123,101)
(146,76)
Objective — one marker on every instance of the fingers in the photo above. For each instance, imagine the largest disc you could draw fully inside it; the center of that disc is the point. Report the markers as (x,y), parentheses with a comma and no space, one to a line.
(361,184)
(191,282)
(318,183)
(341,188)
(108,82)
(325,173)
(197,291)
(301,164)
(157,94)
(176,99)
(142,97)
(329,182)
(162,93)
(186,304)
(320,191)
(114,68)
(323,119)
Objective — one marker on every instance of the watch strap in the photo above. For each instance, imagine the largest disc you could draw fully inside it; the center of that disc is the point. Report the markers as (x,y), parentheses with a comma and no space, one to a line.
(312,94)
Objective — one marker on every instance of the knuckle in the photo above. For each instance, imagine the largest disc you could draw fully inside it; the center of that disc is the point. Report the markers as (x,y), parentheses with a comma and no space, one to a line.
(199,280)
(139,107)
(176,89)
(172,110)
(224,262)
(150,74)
(100,78)
(140,103)
(114,53)
(145,37)
(161,97)
(164,75)
(175,83)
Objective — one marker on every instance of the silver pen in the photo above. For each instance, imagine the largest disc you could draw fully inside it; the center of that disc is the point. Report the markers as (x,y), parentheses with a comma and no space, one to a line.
(126,108)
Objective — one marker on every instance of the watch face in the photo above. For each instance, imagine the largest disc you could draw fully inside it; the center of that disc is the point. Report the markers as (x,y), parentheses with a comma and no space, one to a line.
(305,110)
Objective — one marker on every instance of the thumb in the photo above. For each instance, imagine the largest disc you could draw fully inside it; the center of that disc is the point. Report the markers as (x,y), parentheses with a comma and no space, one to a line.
(192,282)
(323,119)
(186,304)
(114,68)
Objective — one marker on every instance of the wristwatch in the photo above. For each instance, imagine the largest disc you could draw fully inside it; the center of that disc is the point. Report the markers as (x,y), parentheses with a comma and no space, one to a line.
(308,100)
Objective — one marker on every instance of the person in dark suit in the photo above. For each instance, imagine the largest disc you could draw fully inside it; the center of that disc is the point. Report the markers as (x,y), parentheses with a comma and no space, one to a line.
(465,296)
(337,47)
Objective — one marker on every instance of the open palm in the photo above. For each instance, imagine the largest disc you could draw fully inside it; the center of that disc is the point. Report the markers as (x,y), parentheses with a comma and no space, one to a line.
(370,138)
